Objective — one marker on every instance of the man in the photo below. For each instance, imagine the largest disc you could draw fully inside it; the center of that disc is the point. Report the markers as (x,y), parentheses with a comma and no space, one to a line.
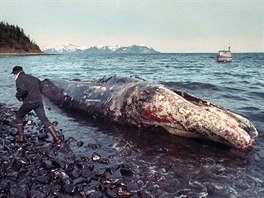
(29,92)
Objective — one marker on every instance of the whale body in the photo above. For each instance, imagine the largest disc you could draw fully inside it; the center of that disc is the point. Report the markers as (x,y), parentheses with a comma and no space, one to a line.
(142,104)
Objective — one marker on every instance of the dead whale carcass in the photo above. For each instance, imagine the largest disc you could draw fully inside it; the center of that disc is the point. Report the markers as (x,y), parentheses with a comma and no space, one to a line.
(129,101)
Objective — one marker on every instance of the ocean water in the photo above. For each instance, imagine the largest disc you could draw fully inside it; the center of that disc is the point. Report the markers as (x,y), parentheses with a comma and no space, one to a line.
(164,165)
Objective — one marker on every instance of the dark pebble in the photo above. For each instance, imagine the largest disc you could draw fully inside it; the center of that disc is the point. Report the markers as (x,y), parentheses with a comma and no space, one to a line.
(94,146)
(34,193)
(111,193)
(13,132)
(162,150)
(4,187)
(18,191)
(12,175)
(80,143)
(96,157)
(87,173)
(78,180)
(55,123)
(56,188)
(5,165)
(16,165)
(126,172)
(43,135)
(42,179)
(92,194)
(123,170)
(103,161)
(56,163)
(69,189)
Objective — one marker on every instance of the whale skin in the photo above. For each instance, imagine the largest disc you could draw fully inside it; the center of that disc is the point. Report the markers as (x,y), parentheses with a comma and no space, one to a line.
(142,104)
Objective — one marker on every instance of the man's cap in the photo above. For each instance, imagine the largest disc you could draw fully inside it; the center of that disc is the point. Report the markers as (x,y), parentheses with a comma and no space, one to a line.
(16,69)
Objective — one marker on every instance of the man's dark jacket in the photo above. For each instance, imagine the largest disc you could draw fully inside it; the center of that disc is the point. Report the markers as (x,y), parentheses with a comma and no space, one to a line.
(28,88)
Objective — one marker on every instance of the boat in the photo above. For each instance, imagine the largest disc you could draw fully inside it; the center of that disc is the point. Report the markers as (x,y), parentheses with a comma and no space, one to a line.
(224,56)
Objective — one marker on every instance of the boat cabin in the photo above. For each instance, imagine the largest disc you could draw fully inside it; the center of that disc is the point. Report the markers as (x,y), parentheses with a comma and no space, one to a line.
(224,56)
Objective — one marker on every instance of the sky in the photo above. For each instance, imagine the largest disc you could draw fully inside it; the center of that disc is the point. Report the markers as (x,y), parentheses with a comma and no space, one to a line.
(165,25)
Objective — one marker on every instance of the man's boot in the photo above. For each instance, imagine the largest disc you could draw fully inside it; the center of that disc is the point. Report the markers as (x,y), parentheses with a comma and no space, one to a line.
(52,131)
(20,130)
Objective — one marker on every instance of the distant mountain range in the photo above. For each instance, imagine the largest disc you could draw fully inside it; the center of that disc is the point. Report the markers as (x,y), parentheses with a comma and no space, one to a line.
(74,49)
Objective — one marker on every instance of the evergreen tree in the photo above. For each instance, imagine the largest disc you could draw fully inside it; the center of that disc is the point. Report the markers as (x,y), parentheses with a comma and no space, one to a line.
(13,39)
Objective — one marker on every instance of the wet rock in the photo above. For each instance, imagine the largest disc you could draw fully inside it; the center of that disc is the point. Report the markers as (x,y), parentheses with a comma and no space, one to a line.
(80,143)
(43,179)
(5,165)
(6,121)
(78,180)
(81,165)
(94,146)
(22,160)
(103,161)
(55,189)
(69,189)
(69,167)
(126,171)
(91,168)
(57,163)
(100,173)
(87,173)
(16,165)
(132,186)
(96,156)
(75,174)
(61,136)
(46,189)
(123,192)
(162,150)
(111,193)
(64,149)
(92,185)
(18,191)
(43,135)
(47,164)
(35,194)
(4,188)
(92,193)
(13,132)
(7,143)
(55,123)
(12,175)
(70,139)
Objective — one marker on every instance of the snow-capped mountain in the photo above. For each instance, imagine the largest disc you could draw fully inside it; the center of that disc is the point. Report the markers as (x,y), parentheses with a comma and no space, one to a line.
(62,49)
(74,49)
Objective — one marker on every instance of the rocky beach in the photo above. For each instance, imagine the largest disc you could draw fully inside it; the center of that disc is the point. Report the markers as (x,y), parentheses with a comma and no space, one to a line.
(40,168)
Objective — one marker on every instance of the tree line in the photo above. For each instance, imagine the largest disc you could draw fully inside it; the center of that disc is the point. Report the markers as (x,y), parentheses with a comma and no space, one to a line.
(13,38)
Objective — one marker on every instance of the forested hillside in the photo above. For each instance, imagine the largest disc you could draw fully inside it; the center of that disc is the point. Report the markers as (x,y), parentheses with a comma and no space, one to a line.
(14,40)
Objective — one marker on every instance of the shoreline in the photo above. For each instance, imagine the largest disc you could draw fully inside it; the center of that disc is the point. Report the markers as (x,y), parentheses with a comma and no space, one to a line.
(26,54)
(40,168)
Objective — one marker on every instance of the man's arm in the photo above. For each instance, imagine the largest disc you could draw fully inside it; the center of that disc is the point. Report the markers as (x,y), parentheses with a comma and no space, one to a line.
(21,90)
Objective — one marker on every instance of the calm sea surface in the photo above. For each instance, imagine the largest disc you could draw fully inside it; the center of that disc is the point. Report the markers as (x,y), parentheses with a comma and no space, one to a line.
(164,165)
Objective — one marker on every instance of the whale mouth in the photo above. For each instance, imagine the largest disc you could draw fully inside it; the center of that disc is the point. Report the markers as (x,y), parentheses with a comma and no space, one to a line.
(247,126)
(234,118)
